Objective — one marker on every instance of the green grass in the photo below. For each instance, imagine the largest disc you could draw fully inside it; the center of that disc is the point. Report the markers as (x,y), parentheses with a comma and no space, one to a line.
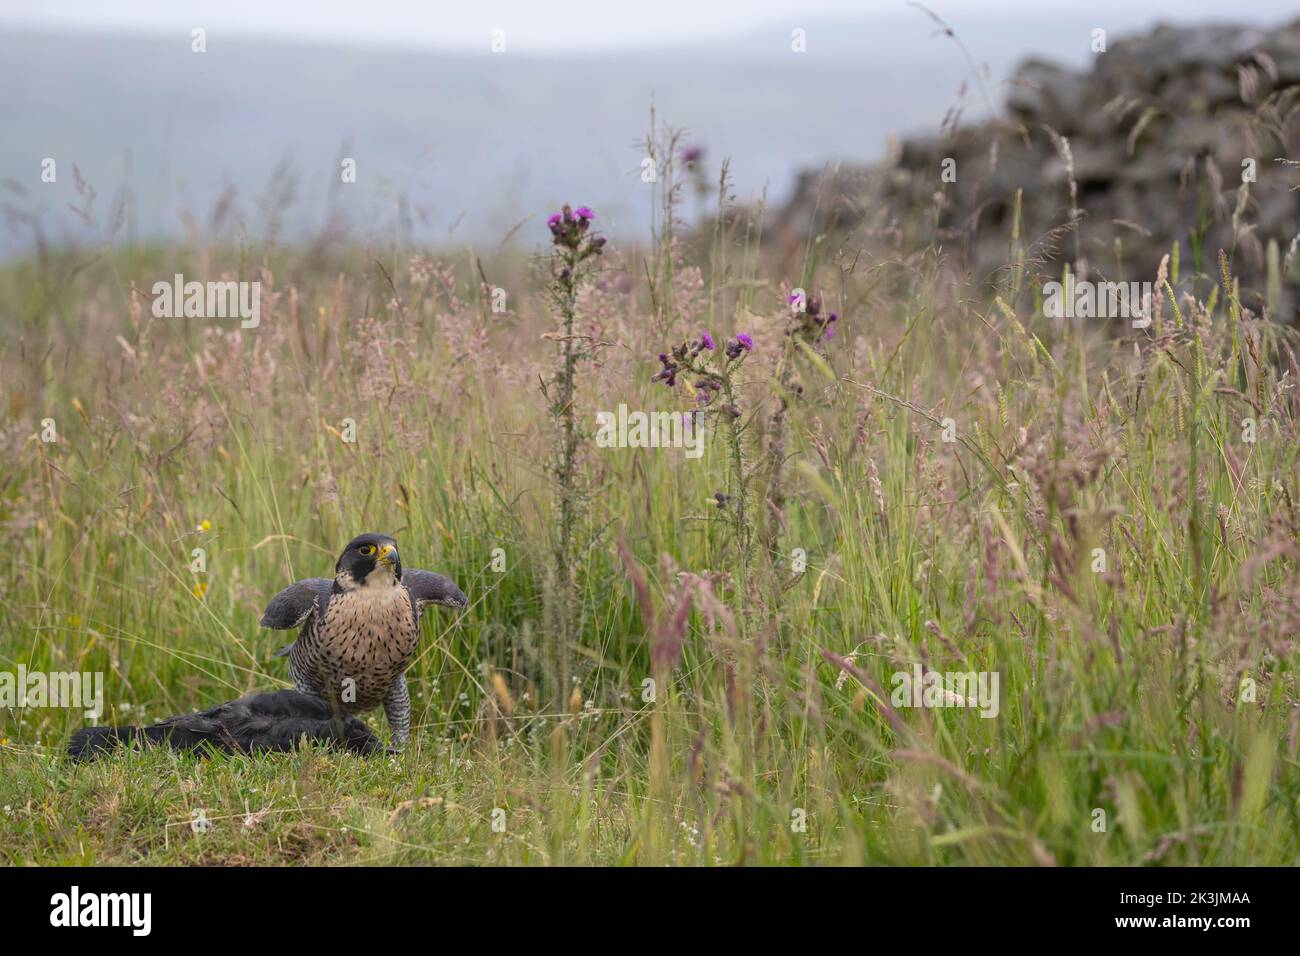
(1121,690)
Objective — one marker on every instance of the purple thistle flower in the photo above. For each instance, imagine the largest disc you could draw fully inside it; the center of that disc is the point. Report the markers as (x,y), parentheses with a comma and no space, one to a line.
(584,212)
(667,374)
(554,220)
(746,341)
(707,341)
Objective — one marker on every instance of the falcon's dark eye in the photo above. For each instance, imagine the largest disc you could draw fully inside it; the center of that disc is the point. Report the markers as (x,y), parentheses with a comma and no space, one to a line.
(366,550)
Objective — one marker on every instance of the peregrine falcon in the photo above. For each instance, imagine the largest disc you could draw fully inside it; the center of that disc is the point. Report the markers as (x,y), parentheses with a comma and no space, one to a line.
(360,629)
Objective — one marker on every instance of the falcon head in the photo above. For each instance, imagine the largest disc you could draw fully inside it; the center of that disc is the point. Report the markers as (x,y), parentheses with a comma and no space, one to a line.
(369,560)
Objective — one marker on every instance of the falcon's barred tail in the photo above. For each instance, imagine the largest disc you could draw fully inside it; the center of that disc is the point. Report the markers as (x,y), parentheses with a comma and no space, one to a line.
(260,722)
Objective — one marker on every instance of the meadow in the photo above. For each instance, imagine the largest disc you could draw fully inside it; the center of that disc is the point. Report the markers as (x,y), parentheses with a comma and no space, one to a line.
(666,659)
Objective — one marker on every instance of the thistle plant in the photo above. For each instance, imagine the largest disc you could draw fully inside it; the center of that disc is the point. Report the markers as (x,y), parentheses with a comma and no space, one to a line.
(807,323)
(806,328)
(576,247)
(692,163)
(713,375)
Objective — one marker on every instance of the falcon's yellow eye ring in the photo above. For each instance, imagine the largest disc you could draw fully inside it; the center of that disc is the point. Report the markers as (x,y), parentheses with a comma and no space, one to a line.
(366,550)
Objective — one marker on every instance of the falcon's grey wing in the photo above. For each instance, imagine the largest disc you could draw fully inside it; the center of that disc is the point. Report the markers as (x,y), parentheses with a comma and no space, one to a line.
(297,602)
(429,588)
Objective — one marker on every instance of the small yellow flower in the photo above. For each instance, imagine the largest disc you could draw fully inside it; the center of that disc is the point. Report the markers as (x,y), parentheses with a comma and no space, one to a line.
(205,525)
(200,589)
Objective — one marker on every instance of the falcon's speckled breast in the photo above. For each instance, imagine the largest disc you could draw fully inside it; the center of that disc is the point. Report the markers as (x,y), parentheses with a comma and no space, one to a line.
(368,635)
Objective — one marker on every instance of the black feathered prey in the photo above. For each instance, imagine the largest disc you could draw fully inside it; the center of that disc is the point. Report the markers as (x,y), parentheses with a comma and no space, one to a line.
(258,723)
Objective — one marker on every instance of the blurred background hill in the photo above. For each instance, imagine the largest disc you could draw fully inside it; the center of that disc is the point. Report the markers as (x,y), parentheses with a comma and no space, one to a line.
(454,143)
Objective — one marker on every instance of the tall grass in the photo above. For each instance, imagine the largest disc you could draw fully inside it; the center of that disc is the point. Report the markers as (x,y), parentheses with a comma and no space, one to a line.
(767,734)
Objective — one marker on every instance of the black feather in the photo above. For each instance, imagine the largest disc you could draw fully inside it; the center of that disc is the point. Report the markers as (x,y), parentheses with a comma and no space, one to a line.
(276,721)
(429,588)
(297,602)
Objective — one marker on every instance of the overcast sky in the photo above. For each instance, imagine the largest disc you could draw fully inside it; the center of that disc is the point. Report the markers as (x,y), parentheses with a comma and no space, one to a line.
(573,26)
(470,142)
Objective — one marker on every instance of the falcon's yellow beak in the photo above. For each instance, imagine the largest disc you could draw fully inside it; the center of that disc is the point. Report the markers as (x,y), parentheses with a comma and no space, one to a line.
(387,555)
